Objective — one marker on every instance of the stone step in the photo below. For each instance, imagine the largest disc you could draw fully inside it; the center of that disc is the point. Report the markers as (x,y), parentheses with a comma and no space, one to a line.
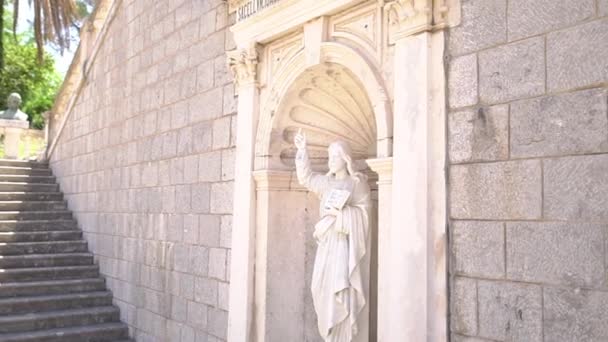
(35,215)
(32,205)
(27,179)
(48,273)
(24,163)
(59,319)
(31,196)
(46,247)
(66,235)
(22,186)
(17,170)
(23,305)
(46,260)
(107,332)
(37,225)
(52,287)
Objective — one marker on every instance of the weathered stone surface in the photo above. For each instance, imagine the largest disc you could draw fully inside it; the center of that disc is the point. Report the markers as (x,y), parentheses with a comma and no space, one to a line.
(512,71)
(478,248)
(576,188)
(575,315)
(504,190)
(459,338)
(527,18)
(481,134)
(578,56)
(603,7)
(556,253)
(484,24)
(509,311)
(561,124)
(462,81)
(464,306)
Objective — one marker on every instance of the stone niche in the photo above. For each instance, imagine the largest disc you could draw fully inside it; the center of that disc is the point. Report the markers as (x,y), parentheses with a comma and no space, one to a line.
(327,102)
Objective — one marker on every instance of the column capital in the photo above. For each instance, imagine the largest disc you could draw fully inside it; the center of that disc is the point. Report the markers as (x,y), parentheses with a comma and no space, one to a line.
(383,167)
(410,17)
(243,63)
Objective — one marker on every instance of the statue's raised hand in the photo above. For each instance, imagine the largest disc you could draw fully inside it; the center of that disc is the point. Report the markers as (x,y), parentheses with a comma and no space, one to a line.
(300,140)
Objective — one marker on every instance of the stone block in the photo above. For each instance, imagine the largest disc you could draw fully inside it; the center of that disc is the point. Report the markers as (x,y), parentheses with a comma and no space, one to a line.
(503,190)
(230,100)
(210,166)
(462,81)
(575,315)
(200,198)
(223,295)
(603,7)
(197,315)
(575,188)
(206,291)
(191,229)
(217,263)
(509,311)
(218,323)
(512,71)
(191,169)
(528,18)
(222,197)
(221,132)
(199,258)
(222,75)
(463,317)
(556,253)
(184,141)
(207,105)
(183,199)
(578,56)
(205,76)
(228,161)
(479,135)
(483,24)
(570,123)
(226,232)
(202,135)
(478,248)
(209,230)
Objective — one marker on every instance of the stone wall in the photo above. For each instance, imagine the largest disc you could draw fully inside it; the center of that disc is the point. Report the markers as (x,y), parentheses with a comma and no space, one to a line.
(528,180)
(146,164)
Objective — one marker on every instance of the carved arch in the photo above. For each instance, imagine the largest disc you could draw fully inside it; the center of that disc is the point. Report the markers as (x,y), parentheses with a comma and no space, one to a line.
(368,78)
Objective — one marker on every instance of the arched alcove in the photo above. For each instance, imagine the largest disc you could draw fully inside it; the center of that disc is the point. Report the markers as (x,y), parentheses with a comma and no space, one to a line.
(327,102)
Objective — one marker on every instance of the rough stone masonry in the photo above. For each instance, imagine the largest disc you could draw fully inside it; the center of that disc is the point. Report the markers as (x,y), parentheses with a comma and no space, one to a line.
(528,176)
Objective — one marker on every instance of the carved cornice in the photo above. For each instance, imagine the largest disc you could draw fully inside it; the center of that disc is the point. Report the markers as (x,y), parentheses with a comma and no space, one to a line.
(243,64)
(409,17)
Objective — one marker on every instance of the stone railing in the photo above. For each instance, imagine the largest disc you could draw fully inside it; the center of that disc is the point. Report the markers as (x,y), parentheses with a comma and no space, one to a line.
(92,35)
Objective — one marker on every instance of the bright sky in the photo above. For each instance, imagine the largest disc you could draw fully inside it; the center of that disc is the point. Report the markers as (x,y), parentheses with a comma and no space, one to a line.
(26,16)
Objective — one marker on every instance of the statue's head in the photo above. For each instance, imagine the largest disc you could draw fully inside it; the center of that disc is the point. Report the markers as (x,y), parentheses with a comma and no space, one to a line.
(340,157)
(13,101)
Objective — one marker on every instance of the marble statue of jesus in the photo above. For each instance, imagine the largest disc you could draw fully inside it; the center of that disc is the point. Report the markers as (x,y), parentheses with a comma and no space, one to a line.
(340,280)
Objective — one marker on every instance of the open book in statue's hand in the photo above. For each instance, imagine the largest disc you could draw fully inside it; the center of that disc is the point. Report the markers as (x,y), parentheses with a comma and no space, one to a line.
(336,198)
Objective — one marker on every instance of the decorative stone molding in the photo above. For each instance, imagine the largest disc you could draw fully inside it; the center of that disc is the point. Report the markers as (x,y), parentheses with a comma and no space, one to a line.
(409,17)
(243,64)
(383,167)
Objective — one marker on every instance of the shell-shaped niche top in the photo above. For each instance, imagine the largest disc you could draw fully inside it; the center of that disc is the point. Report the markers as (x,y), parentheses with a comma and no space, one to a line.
(328,103)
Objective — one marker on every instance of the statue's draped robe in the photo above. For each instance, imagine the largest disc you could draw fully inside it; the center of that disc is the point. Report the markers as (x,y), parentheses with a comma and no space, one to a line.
(340,280)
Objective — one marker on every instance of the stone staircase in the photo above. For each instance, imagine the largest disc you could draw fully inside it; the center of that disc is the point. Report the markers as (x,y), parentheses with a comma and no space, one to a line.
(50,288)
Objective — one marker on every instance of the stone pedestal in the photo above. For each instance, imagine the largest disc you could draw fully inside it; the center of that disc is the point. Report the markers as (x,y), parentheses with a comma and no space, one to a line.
(12,130)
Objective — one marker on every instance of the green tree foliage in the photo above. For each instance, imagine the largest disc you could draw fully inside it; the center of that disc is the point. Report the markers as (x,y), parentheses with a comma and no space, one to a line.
(37,83)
